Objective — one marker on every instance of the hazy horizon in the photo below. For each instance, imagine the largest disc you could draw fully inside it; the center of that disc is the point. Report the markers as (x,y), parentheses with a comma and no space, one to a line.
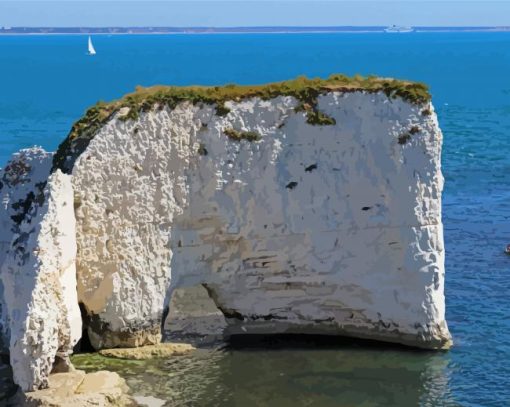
(247,13)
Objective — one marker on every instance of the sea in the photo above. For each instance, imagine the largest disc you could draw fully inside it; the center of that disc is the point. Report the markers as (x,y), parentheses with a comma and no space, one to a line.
(47,82)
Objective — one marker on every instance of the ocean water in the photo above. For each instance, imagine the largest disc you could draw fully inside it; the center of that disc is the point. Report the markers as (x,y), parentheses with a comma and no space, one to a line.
(46,83)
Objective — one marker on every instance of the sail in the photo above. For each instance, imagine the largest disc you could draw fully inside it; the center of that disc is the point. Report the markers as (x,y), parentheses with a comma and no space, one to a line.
(92,51)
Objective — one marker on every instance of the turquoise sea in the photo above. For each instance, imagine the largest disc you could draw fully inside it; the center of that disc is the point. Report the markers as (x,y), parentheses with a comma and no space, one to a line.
(46,83)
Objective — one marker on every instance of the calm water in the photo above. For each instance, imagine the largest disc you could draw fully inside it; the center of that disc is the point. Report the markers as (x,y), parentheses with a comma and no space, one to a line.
(47,82)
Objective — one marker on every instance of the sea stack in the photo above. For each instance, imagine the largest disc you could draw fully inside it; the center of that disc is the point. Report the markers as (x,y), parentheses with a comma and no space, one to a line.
(308,206)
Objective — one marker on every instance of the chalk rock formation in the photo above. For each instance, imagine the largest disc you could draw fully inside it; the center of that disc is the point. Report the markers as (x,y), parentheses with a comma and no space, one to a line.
(78,389)
(23,178)
(194,317)
(320,217)
(161,350)
(39,278)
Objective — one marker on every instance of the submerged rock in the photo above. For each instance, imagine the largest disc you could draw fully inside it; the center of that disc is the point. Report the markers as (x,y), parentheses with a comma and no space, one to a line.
(149,401)
(161,350)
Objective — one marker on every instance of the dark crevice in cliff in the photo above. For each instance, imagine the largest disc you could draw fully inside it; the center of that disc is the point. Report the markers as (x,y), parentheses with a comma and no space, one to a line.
(404,138)
(310,168)
(83,345)
(24,206)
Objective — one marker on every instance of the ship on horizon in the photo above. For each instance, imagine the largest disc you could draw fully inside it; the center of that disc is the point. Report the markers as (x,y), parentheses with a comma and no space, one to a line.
(398,29)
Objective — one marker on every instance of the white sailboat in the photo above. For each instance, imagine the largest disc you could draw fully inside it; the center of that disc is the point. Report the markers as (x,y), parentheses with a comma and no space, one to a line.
(92,51)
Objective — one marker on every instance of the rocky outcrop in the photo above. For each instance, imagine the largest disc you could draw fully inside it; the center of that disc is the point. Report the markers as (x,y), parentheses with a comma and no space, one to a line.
(39,278)
(294,225)
(309,206)
(78,389)
(194,317)
(21,181)
(161,350)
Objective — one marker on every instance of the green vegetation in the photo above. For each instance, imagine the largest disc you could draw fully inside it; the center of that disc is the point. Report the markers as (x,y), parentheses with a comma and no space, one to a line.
(313,116)
(241,135)
(404,138)
(414,130)
(316,118)
(222,110)
(92,362)
(303,89)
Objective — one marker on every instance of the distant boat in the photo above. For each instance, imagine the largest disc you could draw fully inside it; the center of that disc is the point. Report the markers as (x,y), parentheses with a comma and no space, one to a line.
(398,29)
(92,51)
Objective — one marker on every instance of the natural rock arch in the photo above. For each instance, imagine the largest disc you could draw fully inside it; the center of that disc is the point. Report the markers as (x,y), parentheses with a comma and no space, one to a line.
(193,317)
(306,228)
(310,206)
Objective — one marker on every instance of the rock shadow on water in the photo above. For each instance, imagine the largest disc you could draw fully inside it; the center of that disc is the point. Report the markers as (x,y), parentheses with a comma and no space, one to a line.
(313,342)
(333,371)
(285,370)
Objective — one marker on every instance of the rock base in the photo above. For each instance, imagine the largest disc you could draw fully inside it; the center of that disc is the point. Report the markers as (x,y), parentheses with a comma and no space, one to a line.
(161,350)
(77,389)
(102,338)
(194,318)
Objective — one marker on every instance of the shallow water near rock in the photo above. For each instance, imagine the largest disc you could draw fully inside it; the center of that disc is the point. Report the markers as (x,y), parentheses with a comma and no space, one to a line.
(52,81)
(293,370)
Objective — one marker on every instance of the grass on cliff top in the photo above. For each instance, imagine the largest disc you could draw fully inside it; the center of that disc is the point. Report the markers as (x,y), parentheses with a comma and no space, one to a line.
(303,89)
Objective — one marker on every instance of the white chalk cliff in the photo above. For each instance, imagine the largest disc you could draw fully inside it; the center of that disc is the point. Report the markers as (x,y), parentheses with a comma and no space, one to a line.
(23,177)
(293,226)
(39,279)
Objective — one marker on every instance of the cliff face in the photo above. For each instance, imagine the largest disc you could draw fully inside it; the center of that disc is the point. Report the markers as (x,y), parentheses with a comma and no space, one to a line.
(39,279)
(320,229)
(306,214)
(22,179)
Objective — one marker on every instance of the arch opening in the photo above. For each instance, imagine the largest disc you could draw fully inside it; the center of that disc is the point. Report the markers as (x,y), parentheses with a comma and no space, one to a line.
(193,317)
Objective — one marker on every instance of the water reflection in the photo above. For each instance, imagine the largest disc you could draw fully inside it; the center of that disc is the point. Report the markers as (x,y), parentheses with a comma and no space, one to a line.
(289,372)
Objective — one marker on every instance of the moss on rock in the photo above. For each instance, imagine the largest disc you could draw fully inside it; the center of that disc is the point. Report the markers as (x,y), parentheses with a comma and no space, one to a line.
(241,135)
(303,89)
(162,350)
(317,118)
(406,137)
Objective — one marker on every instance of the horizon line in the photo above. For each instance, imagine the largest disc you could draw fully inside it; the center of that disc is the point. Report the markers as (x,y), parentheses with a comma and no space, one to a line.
(8,27)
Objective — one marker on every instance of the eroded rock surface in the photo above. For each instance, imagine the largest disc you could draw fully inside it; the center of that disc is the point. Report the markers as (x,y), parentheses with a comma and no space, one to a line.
(78,389)
(194,317)
(292,227)
(39,278)
(317,211)
(21,181)
(161,350)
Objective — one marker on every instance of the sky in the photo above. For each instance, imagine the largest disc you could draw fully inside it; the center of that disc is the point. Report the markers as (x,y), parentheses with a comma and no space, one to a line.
(213,13)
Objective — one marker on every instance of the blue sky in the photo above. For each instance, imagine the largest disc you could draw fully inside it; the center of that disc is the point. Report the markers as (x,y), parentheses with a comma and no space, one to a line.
(253,13)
